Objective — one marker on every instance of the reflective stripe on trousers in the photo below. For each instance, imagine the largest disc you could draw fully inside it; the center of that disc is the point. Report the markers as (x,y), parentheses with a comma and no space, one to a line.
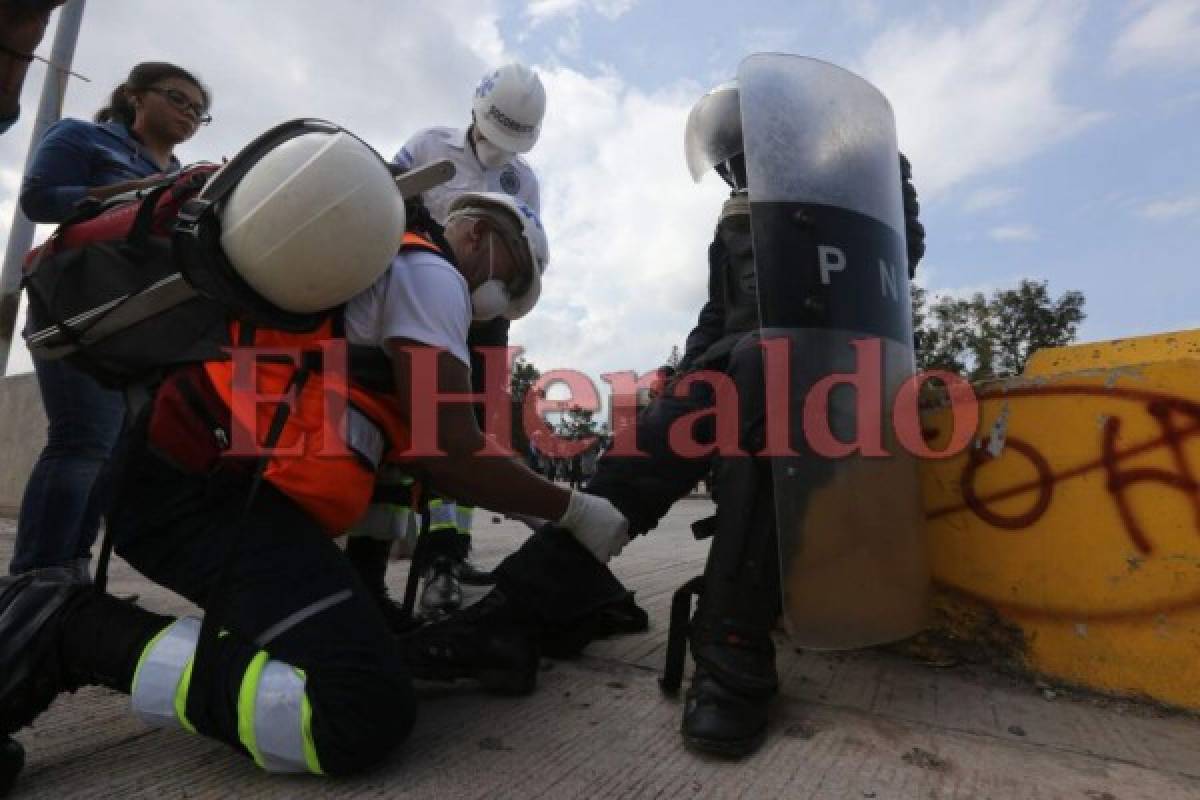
(442,516)
(465,515)
(274,715)
(383,521)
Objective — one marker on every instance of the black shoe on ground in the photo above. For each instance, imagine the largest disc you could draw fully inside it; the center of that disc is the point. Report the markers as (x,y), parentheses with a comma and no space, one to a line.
(12,761)
(720,721)
(31,674)
(441,593)
(567,640)
(472,575)
(479,643)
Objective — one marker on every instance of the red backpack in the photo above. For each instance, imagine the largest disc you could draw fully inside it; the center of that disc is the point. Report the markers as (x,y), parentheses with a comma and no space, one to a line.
(141,284)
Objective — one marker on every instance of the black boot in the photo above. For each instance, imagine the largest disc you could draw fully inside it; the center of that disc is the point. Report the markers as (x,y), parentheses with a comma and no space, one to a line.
(566,595)
(56,635)
(484,642)
(725,712)
(12,761)
(31,672)
(369,558)
(568,638)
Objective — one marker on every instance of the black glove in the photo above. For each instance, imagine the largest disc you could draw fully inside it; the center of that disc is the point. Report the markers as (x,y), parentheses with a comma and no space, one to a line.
(914,231)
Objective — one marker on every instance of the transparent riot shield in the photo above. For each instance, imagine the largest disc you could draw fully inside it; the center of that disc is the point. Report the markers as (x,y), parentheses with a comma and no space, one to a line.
(828,232)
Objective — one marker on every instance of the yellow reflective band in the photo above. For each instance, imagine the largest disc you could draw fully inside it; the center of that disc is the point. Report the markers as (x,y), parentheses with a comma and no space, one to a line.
(181,694)
(247,695)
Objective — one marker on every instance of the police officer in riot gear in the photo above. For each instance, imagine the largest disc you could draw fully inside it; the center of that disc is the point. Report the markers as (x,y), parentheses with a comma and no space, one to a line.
(551,582)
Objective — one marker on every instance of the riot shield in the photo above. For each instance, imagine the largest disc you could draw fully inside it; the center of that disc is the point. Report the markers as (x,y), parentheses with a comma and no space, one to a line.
(828,233)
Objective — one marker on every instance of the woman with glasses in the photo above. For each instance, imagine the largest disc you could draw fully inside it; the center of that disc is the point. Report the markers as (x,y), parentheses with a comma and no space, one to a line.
(130,145)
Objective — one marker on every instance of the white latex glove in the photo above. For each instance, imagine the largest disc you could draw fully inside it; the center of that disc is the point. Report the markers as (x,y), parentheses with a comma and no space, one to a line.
(596,524)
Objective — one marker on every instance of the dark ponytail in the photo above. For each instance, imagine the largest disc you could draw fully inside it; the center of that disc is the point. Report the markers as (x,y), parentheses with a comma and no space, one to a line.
(141,77)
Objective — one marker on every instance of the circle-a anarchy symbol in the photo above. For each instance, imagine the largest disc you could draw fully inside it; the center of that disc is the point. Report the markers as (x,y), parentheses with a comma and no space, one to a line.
(1044,486)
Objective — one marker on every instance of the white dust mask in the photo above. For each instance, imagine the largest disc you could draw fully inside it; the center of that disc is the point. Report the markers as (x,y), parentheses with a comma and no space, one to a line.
(491,156)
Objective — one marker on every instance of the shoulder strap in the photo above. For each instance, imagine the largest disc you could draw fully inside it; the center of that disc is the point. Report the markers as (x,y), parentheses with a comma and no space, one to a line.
(416,241)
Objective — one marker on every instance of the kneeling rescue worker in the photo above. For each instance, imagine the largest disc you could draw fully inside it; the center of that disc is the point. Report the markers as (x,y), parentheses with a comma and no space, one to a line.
(299,670)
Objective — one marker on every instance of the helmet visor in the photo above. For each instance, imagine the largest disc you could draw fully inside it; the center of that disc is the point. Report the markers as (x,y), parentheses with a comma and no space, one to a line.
(714,130)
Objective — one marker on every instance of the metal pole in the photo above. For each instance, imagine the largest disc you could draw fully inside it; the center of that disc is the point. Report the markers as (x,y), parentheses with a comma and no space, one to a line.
(20,234)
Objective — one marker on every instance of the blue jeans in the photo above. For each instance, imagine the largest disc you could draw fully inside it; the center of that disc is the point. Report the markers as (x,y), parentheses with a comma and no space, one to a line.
(68,490)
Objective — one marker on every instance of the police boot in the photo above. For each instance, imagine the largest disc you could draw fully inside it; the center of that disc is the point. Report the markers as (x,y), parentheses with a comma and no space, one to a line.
(566,595)
(725,711)
(369,558)
(567,638)
(484,642)
(441,593)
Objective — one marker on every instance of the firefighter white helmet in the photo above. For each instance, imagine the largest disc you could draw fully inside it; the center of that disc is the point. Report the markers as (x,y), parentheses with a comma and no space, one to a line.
(522,230)
(508,107)
(313,222)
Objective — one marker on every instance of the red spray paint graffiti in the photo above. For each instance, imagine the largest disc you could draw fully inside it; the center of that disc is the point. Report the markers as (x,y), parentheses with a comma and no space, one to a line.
(1166,410)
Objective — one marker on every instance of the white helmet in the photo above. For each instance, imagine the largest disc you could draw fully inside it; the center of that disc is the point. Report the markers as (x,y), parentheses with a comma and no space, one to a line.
(713,136)
(520,226)
(508,107)
(313,222)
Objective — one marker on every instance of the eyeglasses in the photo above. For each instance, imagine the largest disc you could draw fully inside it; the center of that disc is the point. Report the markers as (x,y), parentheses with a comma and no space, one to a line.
(181,102)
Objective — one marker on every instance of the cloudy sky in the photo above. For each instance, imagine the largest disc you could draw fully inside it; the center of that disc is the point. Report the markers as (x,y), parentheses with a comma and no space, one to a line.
(1052,140)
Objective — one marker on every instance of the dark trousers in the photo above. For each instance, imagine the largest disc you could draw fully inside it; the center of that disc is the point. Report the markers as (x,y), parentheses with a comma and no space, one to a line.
(173,528)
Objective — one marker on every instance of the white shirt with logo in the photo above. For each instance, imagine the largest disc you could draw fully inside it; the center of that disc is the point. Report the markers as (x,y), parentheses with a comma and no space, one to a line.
(433,144)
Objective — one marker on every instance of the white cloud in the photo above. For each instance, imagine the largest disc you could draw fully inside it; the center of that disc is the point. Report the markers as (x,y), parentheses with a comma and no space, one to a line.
(570,41)
(865,12)
(970,99)
(987,198)
(1165,35)
(1013,233)
(1172,208)
(629,230)
(541,11)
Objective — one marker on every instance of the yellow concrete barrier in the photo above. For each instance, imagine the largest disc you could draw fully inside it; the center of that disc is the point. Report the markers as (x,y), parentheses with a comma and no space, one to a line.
(1075,518)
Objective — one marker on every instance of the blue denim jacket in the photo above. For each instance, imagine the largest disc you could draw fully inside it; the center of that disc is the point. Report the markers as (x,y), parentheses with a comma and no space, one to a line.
(75,156)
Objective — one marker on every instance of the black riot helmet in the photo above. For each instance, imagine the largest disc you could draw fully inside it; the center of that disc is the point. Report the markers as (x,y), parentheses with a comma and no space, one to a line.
(713,137)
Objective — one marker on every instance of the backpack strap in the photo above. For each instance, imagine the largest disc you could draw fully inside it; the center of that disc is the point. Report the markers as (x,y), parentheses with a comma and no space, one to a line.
(139,232)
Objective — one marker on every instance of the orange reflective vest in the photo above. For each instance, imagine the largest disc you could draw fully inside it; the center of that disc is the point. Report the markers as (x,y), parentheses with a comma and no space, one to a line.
(336,434)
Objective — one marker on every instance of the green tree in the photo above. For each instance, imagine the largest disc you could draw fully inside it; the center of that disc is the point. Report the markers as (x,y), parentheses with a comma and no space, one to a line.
(577,423)
(984,338)
(524,376)
(1026,319)
(674,358)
